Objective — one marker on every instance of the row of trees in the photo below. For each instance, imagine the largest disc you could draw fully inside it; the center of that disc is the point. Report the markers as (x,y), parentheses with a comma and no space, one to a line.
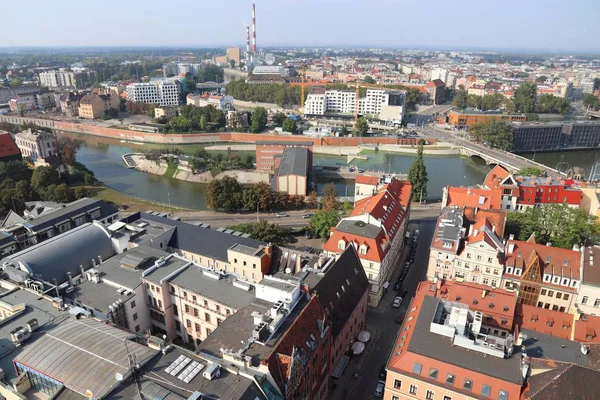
(559,224)
(525,100)
(496,134)
(265,231)
(281,94)
(591,101)
(193,119)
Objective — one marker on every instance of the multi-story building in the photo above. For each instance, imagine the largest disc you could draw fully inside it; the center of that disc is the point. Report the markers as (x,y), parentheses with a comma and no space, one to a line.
(69,103)
(376,228)
(167,112)
(24,102)
(468,247)
(92,106)
(66,78)
(223,103)
(437,91)
(383,104)
(9,151)
(528,137)
(544,276)
(158,92)
(465,120)
(542,191)
(588,295)
(269,153)
(294,171)
(36,145)
(447,350)
(233,53)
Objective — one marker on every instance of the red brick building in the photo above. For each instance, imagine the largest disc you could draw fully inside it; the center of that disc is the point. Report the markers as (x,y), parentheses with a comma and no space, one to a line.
(269,153)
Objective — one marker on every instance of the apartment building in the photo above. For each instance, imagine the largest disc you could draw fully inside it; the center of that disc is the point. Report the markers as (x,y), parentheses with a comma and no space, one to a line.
(223,103)
(529,137)
(163,93)
(93,106)
(468,247)
(588,296)
(166,112)
(375,228)
(436,89)
(447,350)
(69,103)
(66,78)
(544,276)
(35,145)
(365,186)
(383,104)
(176,69)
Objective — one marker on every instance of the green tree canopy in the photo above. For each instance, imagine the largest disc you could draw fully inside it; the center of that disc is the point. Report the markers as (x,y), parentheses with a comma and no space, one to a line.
(289,125)
(258,119)
(278,118)
(530,171)
(548,223)
(369,79)
(322,221)
(417,175)
(497,134)
(15,170)
(43,177)
(460,100)
(553,104)
(265,231)
(224,194)
(329,198)
(362,126)
(525,97)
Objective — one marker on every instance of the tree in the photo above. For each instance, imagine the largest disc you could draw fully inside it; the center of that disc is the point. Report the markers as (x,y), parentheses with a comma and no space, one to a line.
(344,131)
(312,201)
(412,99)
(596,83)
(548,225)
(80,192)
(279,118)
(289,125)
(497,134)
(43,177)
(15,170)
(492,101)
(541,79)
(211,73)
(460,100)
(369,79)
(509,105)
(258,119)
(266,197)
(329,198)
(264,231)
(417,175)
(67,148)
(525,97)
(322,221)
(249,198)
(232,63)
(530,171)
(553,104)
(474,101)
(362,126)
(591,101)
(224,194)
(15,82)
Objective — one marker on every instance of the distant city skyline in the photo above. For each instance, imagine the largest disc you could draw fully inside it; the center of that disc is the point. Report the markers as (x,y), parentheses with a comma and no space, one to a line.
(463,24)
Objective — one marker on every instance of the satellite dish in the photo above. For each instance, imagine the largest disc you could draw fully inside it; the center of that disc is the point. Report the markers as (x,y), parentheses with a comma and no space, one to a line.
(118,377)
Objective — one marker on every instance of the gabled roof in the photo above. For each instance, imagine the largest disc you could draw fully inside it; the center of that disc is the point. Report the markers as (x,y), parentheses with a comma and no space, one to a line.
(496,176)
(71,210)
(474,197)
(555,380)
(553,260)
(8,148)
(367,180)
(435,83)
(341,288)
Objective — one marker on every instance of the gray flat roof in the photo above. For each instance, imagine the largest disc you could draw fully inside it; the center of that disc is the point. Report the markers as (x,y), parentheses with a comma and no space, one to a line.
(221,290)
(226,386)
(438,347)
(294,162)
(171,265)
(359,228)
(71,210)
(98,295)
(240,248)
(84,355)
(540,345)
(37,307)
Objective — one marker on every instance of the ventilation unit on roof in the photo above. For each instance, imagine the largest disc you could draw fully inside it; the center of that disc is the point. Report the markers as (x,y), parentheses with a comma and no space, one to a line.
(19,335)
(477,321)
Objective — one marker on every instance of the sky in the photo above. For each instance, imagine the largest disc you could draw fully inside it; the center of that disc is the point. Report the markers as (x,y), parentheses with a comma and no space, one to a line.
(551,25)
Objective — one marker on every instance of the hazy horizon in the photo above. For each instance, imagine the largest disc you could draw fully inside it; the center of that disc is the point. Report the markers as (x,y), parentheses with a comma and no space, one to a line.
(491,25)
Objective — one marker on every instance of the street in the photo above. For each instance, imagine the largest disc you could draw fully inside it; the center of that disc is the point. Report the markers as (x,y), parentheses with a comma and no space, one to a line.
(381,321)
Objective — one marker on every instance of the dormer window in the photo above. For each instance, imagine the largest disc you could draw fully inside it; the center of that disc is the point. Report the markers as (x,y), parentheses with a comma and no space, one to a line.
(518,271)
(342,244)
(556,280)
(547,278)
(363,249)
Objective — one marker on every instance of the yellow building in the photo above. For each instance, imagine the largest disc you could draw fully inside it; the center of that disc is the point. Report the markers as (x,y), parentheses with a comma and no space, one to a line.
(233,53)
(92,106)
(590,201)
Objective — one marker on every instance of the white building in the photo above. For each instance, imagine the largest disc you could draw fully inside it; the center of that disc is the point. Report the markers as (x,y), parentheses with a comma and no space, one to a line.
(159,92)
(181,69)
(384,104)
(36,145)
(223,103)
(441,74)
(64,78)
(268,70)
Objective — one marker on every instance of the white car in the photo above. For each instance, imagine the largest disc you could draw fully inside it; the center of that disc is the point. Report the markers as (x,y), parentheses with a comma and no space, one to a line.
(379,389)
(280,215)
(397,302)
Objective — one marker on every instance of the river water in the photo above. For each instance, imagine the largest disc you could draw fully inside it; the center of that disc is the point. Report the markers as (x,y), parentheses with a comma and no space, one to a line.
(103,156)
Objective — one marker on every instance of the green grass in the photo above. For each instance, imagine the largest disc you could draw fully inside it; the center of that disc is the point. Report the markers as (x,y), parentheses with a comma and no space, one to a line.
(121,199)
(171,169)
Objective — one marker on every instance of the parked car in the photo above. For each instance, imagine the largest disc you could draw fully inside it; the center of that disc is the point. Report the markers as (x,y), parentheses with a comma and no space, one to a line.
(417,232)
(379,389)
(382,372)
(400,319)
(397,302)
(308,235)
(398,286)
(280,215)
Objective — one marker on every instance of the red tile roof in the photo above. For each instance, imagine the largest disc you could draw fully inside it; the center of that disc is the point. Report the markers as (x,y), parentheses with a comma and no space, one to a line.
(495,177)
(553,260)
(8,148)
(474,197)
(367,180)
(436,83)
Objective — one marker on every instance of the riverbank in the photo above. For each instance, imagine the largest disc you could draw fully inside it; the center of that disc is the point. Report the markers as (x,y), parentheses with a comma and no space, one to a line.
(130,203)
(183,173)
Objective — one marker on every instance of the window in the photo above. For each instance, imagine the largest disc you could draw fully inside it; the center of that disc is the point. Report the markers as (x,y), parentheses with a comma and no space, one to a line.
(137,328)
(218,308)
(543,292)
(486,390)
(135,317)
(450,379)
(160,304)
(429,395)
(597,303)
(502,395)
(133,304)
(196,312)
(197,327)
(565,296)
(433,373)
(207,317)
(447,398)
(551,293)
(208,332)
(205,303)
(194,298)
(468,384)
(558,295)
(417,368)
(413,389)
(397,384)
(175,309)
(188,323)
(187,309)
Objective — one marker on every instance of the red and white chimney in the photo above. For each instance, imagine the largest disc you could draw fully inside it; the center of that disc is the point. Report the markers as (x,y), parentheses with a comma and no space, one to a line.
(254,55)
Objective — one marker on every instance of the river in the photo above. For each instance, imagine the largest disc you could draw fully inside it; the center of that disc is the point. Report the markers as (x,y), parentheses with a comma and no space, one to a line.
(103,156)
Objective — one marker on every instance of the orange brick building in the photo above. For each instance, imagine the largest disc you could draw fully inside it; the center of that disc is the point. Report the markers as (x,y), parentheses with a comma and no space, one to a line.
(465,120)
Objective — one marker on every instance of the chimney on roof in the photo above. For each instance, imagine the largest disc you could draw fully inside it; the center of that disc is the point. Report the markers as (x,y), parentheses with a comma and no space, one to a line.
(82,272)
(70,278)
(511,237)
(511,248)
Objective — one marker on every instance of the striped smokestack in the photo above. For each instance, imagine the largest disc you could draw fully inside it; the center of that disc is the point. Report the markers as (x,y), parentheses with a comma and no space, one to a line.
(247,43)
(254,30)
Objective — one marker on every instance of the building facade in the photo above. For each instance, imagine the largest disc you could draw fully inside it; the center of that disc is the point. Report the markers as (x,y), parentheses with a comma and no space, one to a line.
(36,145)
(161,93)
(465,120)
